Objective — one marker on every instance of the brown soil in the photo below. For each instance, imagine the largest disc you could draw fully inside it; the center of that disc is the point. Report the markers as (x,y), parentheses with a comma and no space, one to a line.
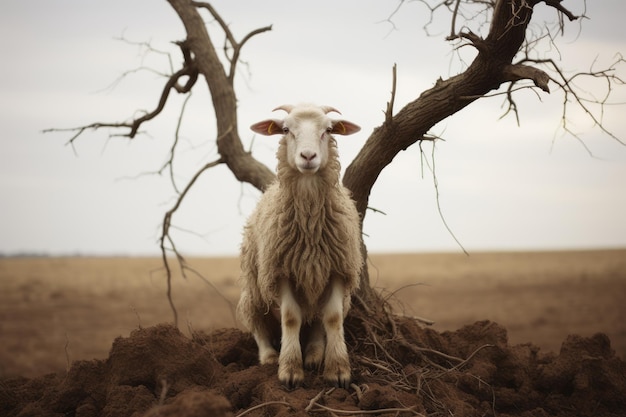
(400,368)
(158,371)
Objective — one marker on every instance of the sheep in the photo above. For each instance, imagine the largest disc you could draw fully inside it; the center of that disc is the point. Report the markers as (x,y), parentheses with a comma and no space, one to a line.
(301,251)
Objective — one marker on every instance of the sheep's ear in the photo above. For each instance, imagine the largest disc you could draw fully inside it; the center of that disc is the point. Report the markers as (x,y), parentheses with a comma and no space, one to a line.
(344,127)
(268,127)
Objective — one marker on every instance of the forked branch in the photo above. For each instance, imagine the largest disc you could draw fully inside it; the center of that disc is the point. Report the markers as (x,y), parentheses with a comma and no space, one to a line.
(593,106)
(230,38)
(166,242)
(173,83)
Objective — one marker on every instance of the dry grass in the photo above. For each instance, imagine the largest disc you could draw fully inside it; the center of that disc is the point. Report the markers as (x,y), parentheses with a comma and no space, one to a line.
(539,297)
(84,303)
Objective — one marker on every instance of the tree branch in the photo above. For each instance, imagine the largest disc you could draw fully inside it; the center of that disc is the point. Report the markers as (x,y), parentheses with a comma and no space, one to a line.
(389,111)
(572,94)
(241,163)
(171,84)
(134,125)
(166,243)
(170,160)
(557,5)
(237,49)
(234,59)
(491,68)
(516,72)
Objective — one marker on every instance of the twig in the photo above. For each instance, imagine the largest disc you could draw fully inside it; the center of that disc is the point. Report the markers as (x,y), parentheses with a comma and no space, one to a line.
(357,390)
(375,210)
(414,284)
(389,19)
(217,290)
(256,407)
(557,5)
(453,23)
(470,357)
(170,160)
(417,349)
(136,123)
(389,111)
(165,235)
(367,361)
(67,354)
(438,201)
(423,320)
(164,388)
(132,307)
(358,412)
(313,401)
(230,38)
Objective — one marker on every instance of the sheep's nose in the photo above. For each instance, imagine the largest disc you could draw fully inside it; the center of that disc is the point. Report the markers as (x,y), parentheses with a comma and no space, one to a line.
(308,155)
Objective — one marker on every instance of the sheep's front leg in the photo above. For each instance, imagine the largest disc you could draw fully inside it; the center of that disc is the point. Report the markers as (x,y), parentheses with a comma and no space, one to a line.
(290,371)
(336,361)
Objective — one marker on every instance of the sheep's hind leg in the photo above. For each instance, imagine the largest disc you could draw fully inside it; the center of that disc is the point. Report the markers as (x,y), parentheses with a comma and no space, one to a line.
(290,371)
(263,338)
(314,351)
(262,324)
(336,361)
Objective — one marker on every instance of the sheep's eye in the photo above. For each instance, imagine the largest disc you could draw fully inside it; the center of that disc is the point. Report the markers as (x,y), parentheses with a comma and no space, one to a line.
(285,129)
(329,129)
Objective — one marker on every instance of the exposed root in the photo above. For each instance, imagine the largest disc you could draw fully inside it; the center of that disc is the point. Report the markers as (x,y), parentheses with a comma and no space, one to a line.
(315,407)
(387,353)
(357,391)
(323,408)
(265,404)
(164,389)
(67,353)
(313,401)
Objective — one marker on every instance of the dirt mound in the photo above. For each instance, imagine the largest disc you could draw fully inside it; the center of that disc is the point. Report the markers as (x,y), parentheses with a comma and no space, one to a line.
(158,371)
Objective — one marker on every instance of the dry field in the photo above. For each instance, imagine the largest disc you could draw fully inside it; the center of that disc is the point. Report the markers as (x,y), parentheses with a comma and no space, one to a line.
(55,310)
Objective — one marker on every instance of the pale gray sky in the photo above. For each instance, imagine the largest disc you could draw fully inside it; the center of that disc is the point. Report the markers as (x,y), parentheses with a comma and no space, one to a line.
(501,187)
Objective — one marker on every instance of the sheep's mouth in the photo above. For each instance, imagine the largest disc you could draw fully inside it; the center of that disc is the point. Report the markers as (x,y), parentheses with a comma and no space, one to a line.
(308,168)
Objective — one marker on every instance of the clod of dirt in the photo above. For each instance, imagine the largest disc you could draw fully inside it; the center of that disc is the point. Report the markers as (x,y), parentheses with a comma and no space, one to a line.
(158,357)
(473,371)
(588,373)
(194,403)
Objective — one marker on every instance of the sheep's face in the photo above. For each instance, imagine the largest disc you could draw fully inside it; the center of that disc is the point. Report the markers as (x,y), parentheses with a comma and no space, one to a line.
(307,132)
(307,140)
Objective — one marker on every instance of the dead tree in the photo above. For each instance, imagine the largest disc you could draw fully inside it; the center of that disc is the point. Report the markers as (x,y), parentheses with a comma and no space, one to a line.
(503,59)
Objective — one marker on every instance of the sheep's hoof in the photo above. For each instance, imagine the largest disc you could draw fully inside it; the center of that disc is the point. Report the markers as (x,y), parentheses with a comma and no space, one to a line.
(313,356)
(268,357)
(339,382)
(338,377)
(291,379)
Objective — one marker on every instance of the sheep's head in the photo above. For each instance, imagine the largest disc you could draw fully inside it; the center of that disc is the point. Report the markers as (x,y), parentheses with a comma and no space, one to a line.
(307,130)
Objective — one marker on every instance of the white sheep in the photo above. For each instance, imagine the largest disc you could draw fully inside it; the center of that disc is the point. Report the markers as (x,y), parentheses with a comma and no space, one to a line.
(301,252)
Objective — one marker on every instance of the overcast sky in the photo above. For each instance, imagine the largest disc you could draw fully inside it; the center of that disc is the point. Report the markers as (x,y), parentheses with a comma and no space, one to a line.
(501,187)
